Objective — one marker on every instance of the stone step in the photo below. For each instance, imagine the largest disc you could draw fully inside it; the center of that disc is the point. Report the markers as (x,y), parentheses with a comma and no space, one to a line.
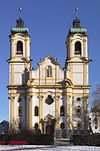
(62,142)
(63,139)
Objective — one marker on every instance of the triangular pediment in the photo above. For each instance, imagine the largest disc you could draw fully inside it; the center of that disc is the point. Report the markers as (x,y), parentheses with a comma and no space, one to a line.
(48,117)
(49,58)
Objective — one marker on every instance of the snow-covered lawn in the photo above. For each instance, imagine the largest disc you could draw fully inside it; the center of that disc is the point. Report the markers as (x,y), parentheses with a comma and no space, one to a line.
(49,148)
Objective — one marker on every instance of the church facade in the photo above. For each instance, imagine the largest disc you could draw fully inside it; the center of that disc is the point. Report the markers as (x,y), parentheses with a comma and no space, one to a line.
(52,99)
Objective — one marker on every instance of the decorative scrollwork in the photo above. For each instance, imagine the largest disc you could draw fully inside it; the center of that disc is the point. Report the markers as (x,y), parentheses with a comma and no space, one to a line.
(30,97)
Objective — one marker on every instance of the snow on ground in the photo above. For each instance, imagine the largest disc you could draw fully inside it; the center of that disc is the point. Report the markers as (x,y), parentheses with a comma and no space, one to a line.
(48,147)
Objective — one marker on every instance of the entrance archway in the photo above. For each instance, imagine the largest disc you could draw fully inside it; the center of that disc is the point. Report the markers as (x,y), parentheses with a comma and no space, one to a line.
(49,129)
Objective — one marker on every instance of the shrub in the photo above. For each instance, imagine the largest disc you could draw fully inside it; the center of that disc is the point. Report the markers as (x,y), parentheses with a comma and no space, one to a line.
(89,140)
(29,137)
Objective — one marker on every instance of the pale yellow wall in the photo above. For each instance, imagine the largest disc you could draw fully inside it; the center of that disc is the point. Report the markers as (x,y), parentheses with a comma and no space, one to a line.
(41,85)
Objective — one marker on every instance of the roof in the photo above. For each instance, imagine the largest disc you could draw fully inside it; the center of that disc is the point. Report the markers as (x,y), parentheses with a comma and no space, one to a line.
(77,30)
(20,30)
(20,27)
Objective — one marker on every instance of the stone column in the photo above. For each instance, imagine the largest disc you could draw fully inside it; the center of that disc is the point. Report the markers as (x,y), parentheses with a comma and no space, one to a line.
(84,49)
(26,118)
(30,111)
(85,73)
(72,113)
(68,112)
(57,112)
(12,64)
(12,112)
(41,110)
(26,48)
(71,53)
(12,48)
(86,113)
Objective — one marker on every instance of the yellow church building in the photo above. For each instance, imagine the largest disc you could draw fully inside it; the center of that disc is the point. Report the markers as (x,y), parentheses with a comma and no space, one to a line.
(52,99)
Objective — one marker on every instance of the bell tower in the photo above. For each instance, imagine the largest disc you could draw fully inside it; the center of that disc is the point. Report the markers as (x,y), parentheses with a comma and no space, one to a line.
(19,65)
(77,71)
(77,53)
(19,60)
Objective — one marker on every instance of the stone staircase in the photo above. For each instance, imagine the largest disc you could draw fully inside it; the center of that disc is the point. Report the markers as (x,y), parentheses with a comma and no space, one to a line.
(62,142)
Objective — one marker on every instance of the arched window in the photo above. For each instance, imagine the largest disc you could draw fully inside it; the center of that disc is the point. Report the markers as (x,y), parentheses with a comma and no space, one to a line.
(62,125)
(62,111)
(19,111)
(19,47)
(78,48)
(78,111)
(78,125)
(20,126)
(49,71)
(36,111)
(36,125)
(49,100)
(19,99)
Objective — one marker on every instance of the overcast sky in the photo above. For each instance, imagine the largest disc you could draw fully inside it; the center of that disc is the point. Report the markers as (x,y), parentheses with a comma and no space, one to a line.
(48,22)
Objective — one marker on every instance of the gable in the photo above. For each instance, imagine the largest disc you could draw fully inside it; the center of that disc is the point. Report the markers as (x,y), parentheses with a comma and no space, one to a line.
(41,74)
(49,59)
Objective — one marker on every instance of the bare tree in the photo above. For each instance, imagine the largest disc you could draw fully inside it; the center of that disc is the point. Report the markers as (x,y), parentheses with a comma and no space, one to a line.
(96,96)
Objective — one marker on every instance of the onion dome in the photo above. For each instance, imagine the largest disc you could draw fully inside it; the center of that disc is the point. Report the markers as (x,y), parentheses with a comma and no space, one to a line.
(20,23)
(76,23)
(76,26)
(20,26)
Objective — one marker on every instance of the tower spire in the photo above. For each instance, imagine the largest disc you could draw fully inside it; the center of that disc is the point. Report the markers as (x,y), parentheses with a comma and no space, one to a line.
(20,25)
(20,9)
(76,9)
(20,22)
(76,25)
(76,22)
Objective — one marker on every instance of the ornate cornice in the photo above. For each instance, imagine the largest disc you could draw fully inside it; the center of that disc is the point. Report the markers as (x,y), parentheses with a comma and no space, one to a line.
(14,61)
(68,82)
(52,60)
(17,87)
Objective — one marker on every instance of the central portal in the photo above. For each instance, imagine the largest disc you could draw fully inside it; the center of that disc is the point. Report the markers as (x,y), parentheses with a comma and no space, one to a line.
(49,129)
(49,124)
